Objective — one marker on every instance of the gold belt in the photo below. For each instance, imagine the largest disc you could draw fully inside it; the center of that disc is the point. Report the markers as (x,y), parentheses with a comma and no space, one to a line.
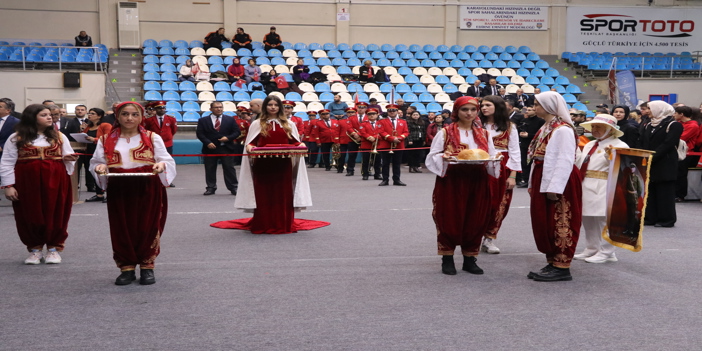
(596,174)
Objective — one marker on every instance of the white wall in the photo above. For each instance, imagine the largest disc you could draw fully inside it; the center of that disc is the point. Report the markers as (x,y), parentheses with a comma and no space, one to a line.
(29,87)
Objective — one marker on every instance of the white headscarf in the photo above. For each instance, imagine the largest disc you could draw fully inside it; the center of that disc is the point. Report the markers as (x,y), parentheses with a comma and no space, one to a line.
(659,111)
(555,105)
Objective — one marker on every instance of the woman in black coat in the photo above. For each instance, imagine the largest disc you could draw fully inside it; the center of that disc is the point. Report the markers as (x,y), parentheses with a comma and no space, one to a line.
(631,132)
(661,135)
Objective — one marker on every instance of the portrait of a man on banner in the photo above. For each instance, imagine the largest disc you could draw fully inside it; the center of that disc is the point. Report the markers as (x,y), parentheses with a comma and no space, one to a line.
(627,186)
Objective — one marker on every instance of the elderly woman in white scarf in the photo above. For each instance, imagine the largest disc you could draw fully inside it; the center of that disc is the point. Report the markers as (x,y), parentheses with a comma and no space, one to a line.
(661,135)
(555,187)
(594,166)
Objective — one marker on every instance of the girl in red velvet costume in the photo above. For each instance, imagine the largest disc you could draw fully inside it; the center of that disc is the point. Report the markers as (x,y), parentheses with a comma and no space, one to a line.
(36,163)
(272,187)
(137,205)
(461,192)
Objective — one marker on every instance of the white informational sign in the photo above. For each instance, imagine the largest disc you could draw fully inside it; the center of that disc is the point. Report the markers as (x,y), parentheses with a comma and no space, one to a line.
(343,15)
(632,29)
(503,17)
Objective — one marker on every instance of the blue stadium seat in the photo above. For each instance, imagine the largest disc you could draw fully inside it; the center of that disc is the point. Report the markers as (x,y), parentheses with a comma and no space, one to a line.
(410,97)
(180,44)
(150,59)
(533,80)
(428,63)
(383,62)
(152,76)
(442,63)
(314,46)
(171,96)
(406,55)
(326,97)
(514,64)
(378,55)
(388,97)
(542,64)
(449,56)
(343,46)
(175,114)
(419,55)
(398,63)
(347,54)
(485,64)
(168,67)
(152,85)
(519,57)
(528,64)
(524,49)
(328,46)
(464,71)
(502,80)
(483,49)
(442,79)
(150,67)
(499,64)
(580,106)
(497,49)
(442,48)
(216,68)
(363,54)
(191,116)
(570,98)
(533,56)
(470,49)
(166,51)
(386,87)
(433,107)
(169,76)
(551,72)
(288,77)
(401,47)
(391,55)
(456,49)
(344,70)
(426,97)
(338,62)
(274,53)
(477,56)
(403,88)
(300,46)
(451,88)
(263,61)
(148,43)
(188,96)
(293,96)
(152,96)
(258,95)
(420,108)
(511,49)
(165,43)
(322,87)
(241,96)
(561,80)
(387,47)
(537,72)
(573,89)
(322,61)
(279,61)
(413,63)
(471,64)
(215,60)
(523,72)
(419,88)
(491,56)
(358,47)
(221,86)
(173,106)
(411,79)
(150,51)
(354,87)
(333,54)
(404,71)
(505,56)
(415,48)
(435,55)
(181,59)
(224,95)
(190,106)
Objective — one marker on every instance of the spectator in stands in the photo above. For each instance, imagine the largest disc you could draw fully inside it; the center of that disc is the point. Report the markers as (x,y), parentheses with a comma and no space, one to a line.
(366,74)
(83,39)
(186,71)
(520,99)
(691,129)
(474,90)
(7,121)
(272,40)
(301,73)
(530,100)
(373,103)
(269,83)
(252,73)
(215,39)
(502,92)
(631,133)
(255,106)
(337,107)
(492,88)
(235,71)
(402,111)
(241,40)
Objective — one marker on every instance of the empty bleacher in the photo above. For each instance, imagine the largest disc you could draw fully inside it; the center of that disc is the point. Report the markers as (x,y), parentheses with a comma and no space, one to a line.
(644,64)
(35,55)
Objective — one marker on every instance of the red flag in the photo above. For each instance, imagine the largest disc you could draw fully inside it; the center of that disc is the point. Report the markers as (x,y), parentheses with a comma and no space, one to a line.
(281,82)
(255,77)
(239,83)
(196,68)
(355,99)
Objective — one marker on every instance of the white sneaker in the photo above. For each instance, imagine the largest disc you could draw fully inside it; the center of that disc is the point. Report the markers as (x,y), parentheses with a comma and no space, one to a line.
(52,257)
(585,254)
(489,247)
(602,258)
(34,257)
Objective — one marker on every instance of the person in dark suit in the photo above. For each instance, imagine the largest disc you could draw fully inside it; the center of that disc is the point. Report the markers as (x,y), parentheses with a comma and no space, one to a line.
(530,99)
(520,99)
(217,133)
(67,125)
(7,121)
(474,90)
(491,89)
(661,135)
(514,114)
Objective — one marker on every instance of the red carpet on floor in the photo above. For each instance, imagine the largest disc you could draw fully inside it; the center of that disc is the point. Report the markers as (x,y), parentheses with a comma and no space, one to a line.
(242,224)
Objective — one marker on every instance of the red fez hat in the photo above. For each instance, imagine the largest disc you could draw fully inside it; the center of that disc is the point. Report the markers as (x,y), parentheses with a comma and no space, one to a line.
(158,103)
(350,109)
(372,110)
(242,107)
(324,111)
(288,103)
(362,104)
(311,112)
(391,106)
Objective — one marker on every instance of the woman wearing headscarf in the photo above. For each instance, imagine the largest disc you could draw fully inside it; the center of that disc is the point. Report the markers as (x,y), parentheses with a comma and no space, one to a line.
(461,193)
(301,73)
(235,71)
(495,118)
(662,135)
(630,132)
(593,163)
(555,187)
(137,205)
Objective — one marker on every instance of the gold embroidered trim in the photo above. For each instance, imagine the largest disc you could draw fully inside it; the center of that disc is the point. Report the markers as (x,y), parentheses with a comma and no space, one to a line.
(597,174)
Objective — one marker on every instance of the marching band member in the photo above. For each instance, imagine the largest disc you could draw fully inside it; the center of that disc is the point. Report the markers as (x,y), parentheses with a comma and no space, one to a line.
(35,167)
(323,135)
(341,132)
(555,187)
(393,132)
(495,118)
(594,166)
(369,133)
(137,206)
(353,121)
(288,107)
(362,108)
(312,157)
(461,191)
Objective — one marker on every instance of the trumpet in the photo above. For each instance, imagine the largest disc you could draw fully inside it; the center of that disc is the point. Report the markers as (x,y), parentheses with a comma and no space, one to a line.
(392,144)
(352,138)
(336,154)
(373,154)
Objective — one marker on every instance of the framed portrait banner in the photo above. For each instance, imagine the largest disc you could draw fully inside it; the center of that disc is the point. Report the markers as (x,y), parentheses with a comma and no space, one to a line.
(627,190)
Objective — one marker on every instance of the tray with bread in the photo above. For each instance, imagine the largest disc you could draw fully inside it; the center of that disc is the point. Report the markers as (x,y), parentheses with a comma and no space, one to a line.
(473,156)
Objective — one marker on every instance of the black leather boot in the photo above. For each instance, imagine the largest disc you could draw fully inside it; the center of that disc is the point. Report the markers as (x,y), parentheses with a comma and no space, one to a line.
(470,266)
(125,278)
(147,277)
(447,265)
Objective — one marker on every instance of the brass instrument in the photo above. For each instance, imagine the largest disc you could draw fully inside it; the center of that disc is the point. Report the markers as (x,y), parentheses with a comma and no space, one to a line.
(352,138)
(392,144)
(336,154)
(373,153)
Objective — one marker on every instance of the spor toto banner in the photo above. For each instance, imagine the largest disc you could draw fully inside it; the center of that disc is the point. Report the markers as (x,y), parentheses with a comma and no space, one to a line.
(633,29)
(503,17)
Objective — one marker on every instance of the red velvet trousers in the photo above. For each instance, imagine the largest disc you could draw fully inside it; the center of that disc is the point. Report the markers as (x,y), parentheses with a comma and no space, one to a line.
(45,201)
(137,209)
(501,199)
(556,224)
(273,188)
(461,208)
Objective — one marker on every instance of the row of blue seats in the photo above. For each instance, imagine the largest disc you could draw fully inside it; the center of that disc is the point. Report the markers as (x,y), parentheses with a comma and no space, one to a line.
(648,67)
(151,43)
(3,42)
(170,67)
(573,55)
(33,54)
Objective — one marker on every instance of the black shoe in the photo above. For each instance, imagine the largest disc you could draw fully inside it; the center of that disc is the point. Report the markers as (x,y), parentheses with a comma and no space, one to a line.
(377,177)
(412,170)
(470,266)
(95,198)
(398,183)
(104,199)
(125,278)
(447,265)
(547,268)
(365,177)
(234,192)
(349,174)
(147,277)
(554,275)
(384,183)
(328,169)
(209,192)
(523,185)
(649,223)
(417,170)
(172,185)
(310,166)
(662,225)
(340,170)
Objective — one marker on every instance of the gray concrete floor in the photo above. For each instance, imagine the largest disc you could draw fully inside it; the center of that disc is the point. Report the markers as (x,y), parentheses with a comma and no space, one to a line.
(369,281)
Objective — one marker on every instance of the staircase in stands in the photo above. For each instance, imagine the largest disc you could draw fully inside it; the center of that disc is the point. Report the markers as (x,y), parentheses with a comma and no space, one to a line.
(590,96)
(125,75)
